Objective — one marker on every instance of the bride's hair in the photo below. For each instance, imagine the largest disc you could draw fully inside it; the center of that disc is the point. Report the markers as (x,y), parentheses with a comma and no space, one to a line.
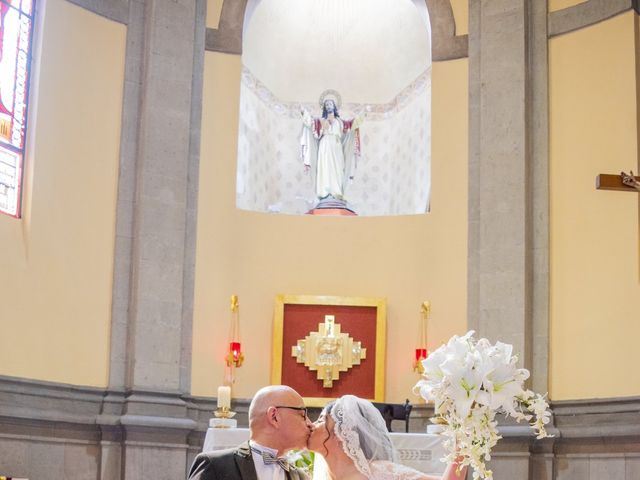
(362,431)
(326,411)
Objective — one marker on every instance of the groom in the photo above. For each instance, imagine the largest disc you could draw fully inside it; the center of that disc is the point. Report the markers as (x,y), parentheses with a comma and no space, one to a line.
(278,422)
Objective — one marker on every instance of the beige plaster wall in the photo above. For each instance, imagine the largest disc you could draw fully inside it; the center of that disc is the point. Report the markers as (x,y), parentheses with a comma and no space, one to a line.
(595,268)
(405,259)
(461,15)
(214,9)
(57,261)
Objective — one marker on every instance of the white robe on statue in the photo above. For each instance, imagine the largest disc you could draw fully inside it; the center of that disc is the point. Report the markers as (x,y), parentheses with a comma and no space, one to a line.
(330,168)
(330,148)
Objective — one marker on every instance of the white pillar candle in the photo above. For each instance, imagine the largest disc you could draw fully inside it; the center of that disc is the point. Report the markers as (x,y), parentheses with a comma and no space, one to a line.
(224,397)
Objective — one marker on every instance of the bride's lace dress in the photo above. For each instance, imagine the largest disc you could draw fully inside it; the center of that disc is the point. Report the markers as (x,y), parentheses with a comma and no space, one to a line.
(383,470)
(379,470)
(364,437)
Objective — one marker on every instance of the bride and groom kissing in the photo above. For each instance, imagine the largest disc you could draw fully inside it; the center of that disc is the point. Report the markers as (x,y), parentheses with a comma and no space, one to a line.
(350,434)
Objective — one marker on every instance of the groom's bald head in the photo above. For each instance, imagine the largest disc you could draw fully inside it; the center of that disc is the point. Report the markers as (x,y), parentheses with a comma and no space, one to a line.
(277,419)
(270,396)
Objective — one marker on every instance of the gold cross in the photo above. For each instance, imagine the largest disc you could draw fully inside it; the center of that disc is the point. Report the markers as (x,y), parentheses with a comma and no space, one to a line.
(328,351)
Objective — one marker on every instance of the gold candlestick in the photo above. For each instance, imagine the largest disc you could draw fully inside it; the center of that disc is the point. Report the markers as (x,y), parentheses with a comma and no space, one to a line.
(224,412)
(223,418)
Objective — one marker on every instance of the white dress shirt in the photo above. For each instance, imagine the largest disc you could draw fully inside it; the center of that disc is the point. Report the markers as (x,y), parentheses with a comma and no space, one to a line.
(264,471)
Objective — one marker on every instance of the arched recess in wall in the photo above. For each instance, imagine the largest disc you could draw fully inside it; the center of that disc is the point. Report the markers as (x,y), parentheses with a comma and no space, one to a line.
(293,50)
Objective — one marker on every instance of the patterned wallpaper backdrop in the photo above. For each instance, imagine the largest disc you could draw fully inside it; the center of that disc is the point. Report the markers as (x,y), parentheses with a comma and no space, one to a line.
(393,176)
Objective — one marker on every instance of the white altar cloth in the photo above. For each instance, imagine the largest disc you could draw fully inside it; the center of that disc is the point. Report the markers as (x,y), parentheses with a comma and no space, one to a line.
(421,451)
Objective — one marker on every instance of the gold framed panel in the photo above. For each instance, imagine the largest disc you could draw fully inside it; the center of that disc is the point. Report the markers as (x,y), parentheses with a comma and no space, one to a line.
(278,349)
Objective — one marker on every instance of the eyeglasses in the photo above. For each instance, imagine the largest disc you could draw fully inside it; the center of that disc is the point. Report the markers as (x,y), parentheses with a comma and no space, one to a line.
(301,409)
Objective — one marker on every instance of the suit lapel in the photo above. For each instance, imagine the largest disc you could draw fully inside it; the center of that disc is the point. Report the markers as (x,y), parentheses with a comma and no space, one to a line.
(244,461)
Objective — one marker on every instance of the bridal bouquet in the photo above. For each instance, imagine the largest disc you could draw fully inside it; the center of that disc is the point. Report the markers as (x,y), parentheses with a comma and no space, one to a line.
(470,381)
(301,459)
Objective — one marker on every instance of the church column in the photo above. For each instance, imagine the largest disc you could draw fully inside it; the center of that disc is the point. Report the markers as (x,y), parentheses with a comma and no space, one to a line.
(508,186)
(145,421)
(508,171)
(539,174)
(499,299)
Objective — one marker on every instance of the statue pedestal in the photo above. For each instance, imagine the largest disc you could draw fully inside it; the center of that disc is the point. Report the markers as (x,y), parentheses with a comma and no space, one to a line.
(332,206)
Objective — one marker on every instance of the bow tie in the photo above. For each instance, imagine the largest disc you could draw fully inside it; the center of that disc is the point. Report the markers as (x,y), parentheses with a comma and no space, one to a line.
(269,459)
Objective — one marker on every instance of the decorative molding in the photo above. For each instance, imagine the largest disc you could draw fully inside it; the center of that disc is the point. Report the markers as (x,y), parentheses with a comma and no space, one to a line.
(379,111)
(41,409)
(598,418)
(586,14)
(117,10)
(86,432)
(39,402)
(446,45)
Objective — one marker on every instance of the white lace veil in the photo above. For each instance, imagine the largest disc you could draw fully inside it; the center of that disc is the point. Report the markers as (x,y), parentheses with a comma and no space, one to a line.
(363,433)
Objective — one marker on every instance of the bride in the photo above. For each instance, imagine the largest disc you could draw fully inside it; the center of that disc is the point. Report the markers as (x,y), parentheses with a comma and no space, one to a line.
(352,437)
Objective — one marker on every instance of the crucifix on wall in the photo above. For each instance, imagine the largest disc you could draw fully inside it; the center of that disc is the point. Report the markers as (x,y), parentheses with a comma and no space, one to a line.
(625,182)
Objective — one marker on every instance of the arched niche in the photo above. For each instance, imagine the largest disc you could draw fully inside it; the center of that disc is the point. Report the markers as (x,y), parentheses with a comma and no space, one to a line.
(377,54)
(446,44)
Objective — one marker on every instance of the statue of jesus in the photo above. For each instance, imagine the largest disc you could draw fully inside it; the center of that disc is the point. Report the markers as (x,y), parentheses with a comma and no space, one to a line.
(330,147)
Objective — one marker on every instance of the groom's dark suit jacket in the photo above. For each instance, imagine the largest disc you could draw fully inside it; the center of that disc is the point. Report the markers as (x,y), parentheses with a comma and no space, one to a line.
(232,464)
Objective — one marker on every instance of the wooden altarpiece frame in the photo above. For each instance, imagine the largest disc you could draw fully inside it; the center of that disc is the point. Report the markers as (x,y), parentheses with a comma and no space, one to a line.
(362,318)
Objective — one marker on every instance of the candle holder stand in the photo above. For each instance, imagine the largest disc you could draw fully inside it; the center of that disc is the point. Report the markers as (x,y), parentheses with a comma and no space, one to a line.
(223,419)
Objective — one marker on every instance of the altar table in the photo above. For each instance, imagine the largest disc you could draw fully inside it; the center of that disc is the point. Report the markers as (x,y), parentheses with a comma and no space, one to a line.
(421,451)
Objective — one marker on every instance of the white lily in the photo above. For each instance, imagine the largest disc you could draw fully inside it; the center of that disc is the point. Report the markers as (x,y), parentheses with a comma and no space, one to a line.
(470,381)
(465,381)
(432,364)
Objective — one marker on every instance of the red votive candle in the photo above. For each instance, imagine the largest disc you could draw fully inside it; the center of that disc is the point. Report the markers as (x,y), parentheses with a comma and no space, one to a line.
(421,353)
(234,348)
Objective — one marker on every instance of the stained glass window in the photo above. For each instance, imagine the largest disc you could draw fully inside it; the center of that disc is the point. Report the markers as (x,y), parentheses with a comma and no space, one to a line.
(16,29)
